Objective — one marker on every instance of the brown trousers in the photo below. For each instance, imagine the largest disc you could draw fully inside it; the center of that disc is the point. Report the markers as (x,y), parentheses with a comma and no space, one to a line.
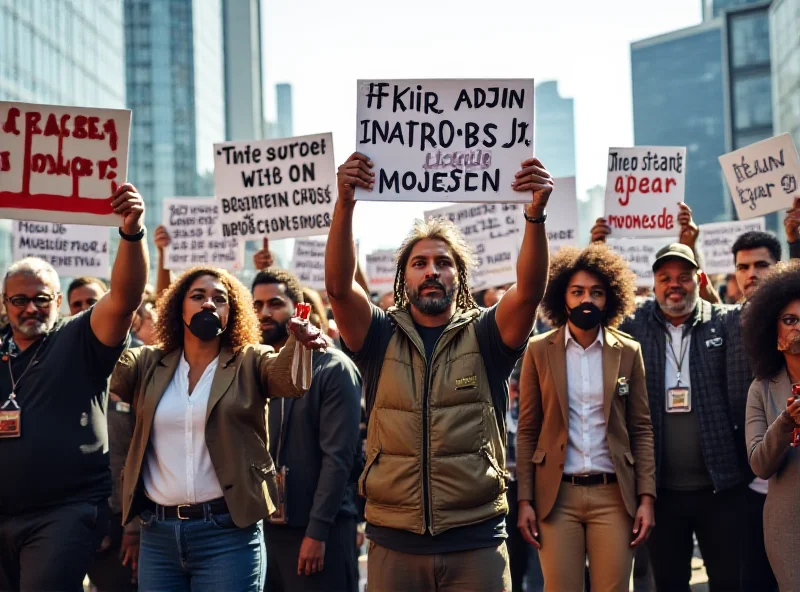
(481,570)
(587,520)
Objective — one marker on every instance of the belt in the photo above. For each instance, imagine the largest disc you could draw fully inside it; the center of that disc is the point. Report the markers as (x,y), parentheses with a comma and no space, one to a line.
(588,480)
(189,511)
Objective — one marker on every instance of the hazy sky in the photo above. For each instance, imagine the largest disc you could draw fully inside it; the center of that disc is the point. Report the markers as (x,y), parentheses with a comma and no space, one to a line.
(322,47)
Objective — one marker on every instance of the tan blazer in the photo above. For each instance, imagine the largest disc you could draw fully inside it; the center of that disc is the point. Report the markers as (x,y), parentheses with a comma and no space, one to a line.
(544,419)
(236,432)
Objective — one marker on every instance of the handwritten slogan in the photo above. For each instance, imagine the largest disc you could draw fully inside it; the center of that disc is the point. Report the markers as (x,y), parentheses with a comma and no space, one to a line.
(193,226)
(61,164)
(716,241)
(762,177)
(640,253)
(308,263)
(276,188)
(381,271)
(445,140)
(73,250)
(496,263)
(643,189)
(494,220)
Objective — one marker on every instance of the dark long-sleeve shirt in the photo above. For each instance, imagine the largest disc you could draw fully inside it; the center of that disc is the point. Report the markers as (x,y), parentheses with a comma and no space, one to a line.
(320,435)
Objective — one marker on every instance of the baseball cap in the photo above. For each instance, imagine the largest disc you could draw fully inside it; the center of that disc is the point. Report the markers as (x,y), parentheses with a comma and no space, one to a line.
(674,251)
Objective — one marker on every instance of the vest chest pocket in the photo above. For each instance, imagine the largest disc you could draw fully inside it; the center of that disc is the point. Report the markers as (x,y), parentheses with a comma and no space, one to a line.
(362,481)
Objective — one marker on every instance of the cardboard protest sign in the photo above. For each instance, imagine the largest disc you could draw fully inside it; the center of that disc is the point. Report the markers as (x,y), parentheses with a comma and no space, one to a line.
(496,220)
(716,241)
(308,263)
(61,164)
(496,262)
(73,250)
(762,177)
(640,253)
(275,188)
(643,189)
(381,270)
(445,140)
(193,226)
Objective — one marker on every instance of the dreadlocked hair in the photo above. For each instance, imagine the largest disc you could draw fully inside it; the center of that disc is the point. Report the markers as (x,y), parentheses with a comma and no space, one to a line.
(442,230)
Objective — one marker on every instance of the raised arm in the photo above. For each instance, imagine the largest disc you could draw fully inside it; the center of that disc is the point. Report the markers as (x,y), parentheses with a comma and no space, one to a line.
(688,234)
(516,312)
(113,314)
(162,240)
(349,302)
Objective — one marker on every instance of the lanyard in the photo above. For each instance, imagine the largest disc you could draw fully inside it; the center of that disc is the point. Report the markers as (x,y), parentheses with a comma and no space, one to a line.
(12,397)
(684,342)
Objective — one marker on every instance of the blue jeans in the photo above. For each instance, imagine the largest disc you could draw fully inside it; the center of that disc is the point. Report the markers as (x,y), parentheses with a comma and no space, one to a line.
(204,555)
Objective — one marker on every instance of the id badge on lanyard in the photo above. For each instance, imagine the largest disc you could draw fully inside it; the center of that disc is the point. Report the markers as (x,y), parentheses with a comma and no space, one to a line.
(679,397)
(10,418)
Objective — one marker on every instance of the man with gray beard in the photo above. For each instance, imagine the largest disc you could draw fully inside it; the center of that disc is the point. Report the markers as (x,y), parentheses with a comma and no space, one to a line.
(700,458)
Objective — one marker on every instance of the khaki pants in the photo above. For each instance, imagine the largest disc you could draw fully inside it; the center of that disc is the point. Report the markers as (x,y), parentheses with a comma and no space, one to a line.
(587,520)
(481,570)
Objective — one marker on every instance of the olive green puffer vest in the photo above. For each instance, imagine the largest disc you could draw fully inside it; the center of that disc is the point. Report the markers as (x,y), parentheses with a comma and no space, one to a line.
(435,452)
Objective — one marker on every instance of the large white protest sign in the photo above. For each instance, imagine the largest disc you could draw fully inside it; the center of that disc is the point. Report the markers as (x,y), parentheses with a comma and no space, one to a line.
(381,271)
(716,241)
(494,220)
(445,140)
(276,188)
(643,189)
(73,250)
(762,177)
(61,164)
(496,263)
(308,263)
(640,253)
(193,226)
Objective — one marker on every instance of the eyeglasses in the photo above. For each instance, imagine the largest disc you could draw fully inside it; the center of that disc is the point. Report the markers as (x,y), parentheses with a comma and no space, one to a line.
(39,301)
(789,320)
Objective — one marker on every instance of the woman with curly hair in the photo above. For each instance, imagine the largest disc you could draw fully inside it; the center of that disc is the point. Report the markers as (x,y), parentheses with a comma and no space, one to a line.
(585,460)
(771,331)
(198,473)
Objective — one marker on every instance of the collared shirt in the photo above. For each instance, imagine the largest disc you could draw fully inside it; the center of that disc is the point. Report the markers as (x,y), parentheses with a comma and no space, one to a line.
(587,447)
(178,469)
(681,343)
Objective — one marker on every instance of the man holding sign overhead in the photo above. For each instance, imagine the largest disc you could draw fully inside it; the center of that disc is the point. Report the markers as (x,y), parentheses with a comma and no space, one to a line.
(54,464)
(435,370)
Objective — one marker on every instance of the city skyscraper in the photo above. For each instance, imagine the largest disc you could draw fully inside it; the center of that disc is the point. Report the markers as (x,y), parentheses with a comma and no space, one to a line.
(784,15)
(62,52)
(176,88)
(244,94)
(284,120)
(679,100)
(554,129)
(714,8)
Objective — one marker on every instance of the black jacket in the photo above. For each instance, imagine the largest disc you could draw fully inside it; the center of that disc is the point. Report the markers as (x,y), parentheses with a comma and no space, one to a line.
(320,436)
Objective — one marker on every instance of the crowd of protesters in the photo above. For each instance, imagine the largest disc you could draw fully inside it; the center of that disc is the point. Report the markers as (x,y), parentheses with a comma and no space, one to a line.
(561,433)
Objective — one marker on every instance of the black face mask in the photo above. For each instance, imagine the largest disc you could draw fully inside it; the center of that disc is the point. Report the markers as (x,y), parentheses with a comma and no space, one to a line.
(205,325)
(585,316)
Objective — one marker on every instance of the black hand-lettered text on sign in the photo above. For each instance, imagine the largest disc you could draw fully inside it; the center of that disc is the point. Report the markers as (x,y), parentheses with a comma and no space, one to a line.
(276,188)
(445,140)
(61,164)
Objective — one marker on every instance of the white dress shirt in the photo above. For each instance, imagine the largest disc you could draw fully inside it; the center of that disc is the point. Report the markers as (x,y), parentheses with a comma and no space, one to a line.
(677,340)
(177,467)
(587,447)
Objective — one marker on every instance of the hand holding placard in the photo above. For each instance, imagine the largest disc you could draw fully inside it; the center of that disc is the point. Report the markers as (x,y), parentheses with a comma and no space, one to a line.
(534,177)
(161,237)
(262,259)
(355,172)
(127,202)
(689,231)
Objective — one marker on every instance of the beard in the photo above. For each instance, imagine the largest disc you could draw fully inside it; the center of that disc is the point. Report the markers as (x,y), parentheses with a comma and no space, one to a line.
(275,334)
(432,305)
(44,323)
(681,308)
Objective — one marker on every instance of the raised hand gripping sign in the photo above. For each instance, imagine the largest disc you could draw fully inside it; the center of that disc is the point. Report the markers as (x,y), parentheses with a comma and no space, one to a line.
(61,164)
(643,189)
(445,140)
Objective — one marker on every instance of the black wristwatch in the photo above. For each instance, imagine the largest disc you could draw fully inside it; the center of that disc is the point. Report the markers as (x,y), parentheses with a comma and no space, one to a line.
(133,238)
(532,220)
